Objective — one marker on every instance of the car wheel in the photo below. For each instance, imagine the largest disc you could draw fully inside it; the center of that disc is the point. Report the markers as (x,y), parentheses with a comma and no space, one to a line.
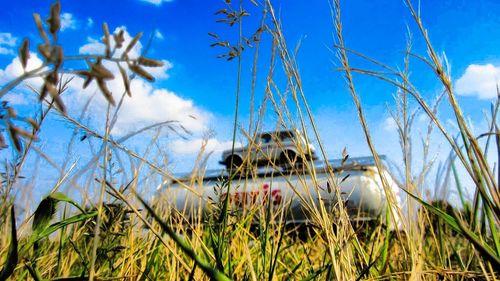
(235,161)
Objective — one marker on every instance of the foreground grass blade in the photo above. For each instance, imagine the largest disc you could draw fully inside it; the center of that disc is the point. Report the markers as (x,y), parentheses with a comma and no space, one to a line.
(58,225)
(213,273)
(460,228)
(12,255)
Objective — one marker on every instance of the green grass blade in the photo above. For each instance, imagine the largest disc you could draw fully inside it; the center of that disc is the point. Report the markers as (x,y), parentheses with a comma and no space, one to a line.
(58,225)
(12,254)
(460,228)
(213,273)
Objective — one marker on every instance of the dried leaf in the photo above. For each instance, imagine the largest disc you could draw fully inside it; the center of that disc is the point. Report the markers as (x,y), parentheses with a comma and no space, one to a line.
(54,20)
(126,82)
(39,26)
(141,72)
(149,62)
(105,91)
(131,44)
(24,52)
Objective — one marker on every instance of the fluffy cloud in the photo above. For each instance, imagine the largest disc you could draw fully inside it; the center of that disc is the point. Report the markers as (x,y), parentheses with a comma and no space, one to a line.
(68,22)
(480,81)
(156,2)
(148,104)
(14,69)
(95,46)
(194,146)
(158,35)
(7,43)
(389,124)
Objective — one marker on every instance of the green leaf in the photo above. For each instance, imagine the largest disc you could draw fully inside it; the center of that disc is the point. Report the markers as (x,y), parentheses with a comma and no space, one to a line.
(44,213)
(462,229)
(213,273)
(58,225)
(59,196)
(12,255)
(47,209)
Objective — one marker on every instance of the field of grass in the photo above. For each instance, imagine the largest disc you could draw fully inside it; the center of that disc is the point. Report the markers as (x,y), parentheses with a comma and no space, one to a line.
(120,234)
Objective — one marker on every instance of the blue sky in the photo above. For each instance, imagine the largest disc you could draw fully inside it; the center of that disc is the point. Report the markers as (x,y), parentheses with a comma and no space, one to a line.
(195,82)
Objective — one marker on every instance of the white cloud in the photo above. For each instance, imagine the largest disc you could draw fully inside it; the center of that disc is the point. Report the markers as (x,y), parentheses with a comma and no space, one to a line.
(480,81)
(194,146)
(95,46)
(148,104)
(156,2)
(7,39)
(6,51)
(15,69)
(390,124)
(68,22)
(7,43)
(158,35)
(90,22)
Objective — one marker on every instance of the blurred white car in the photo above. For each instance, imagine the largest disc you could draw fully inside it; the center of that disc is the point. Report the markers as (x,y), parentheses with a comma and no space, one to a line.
(283,148)
(294,193)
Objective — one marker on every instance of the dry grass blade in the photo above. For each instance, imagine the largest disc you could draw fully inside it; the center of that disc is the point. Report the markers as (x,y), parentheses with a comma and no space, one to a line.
(141,72)
(126,82)
(24,52)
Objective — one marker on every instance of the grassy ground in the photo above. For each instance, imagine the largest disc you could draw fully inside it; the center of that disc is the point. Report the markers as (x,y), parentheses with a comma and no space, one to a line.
(121,237)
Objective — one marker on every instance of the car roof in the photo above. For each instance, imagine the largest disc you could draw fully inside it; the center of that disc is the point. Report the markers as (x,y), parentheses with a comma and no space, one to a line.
(279,133)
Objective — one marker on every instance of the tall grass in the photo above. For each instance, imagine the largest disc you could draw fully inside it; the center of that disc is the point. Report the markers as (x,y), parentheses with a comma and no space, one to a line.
(122,235)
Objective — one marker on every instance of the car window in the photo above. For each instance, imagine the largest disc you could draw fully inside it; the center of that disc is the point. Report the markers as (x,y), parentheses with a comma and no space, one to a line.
(265,138)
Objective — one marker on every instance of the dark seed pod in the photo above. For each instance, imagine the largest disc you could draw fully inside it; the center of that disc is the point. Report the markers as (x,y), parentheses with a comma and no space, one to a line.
(105,91)
(24,52)
(39,26)
(149,62)
(44,50)
(14,138)
(141,72)
(99,71)
(131,44)
(119,39)
(54,20)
